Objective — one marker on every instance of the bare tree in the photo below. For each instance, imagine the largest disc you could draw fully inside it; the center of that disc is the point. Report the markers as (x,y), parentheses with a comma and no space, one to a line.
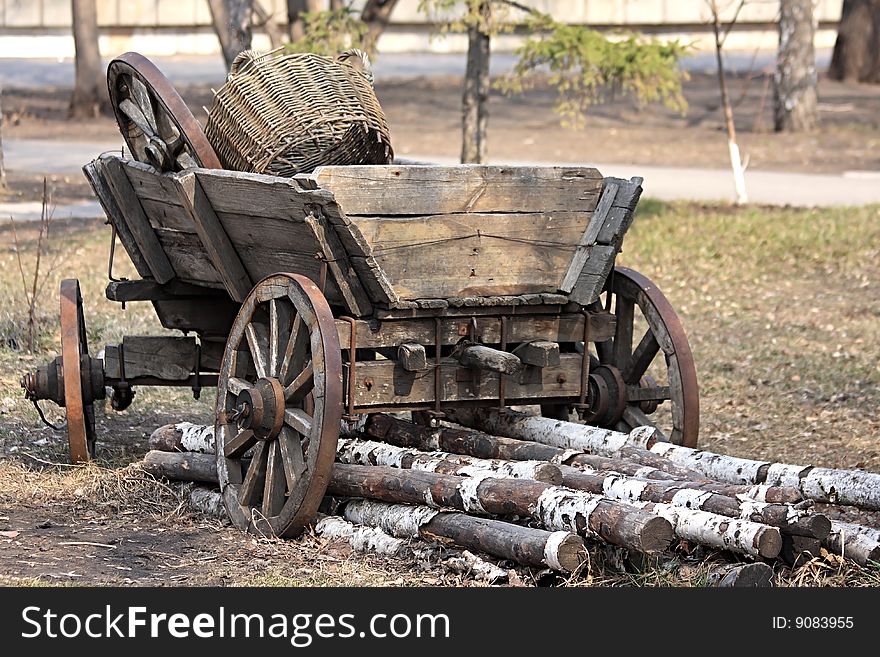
(794,81)
(89,89)
(736,165)
(474,111)
(856,54)
(232,23)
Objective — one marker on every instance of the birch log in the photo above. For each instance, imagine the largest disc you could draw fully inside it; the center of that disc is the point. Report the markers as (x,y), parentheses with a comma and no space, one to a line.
(183,466)
(853,544)
(207,501)
(855,487)
(788,519)
(557,508)
(561,550)
(743,575)
(608,444)
(558,433)
(482,445)
(740,536)
(367,539)
(370,452)
(183,437)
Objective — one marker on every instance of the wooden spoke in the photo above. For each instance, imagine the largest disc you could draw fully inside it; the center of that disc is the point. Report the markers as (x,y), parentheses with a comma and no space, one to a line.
(241,443)
(257,342)
(623,332)
(605,351)
(299,420)
(301,385)
(141,97)
(294,337)
(642,357)
(657,393)
(273,337)
(236,386)
(256,474)
(634,417)
(292,456)
(134,112)
(275,483)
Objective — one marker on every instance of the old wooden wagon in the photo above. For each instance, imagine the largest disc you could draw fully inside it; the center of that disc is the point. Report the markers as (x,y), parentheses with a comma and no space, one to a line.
(310,301)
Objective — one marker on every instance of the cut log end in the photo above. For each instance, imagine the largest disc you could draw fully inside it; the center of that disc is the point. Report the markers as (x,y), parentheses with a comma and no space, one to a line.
(768,542)
(568,552)
(656,535)
(548,474)
(748,575)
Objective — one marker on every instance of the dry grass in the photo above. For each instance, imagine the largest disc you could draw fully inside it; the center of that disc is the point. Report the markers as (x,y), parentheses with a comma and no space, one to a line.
(781,307)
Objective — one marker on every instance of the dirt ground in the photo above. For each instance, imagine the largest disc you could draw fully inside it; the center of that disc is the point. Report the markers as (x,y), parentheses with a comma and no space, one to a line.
(780,307)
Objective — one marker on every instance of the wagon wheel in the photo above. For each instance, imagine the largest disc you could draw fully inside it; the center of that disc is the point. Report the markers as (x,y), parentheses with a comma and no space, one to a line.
(279,406)
(156,124)
(648,366)
(79,380)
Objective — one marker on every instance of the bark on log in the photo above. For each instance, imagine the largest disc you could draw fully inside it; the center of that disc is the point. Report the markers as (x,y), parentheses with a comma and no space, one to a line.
(556,508)
(368,539)
(558,433)
(850,514)
(744,575)
(797,550)
(370,452)
(740,536)
(184,466)
(855,487)
(561,550)
(208,501)
(483,445)
(183,437)
(682,494)
(853,528)
(854,545)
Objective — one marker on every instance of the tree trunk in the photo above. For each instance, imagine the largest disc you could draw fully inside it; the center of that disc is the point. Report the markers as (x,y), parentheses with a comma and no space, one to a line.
(739,180)
(475,115)
(855,487)
(186,466)
(856,56)
(370,452)
(376,14)
(562,550)
(89,88)
(232,23)
(794,81)
(183,437)
(556,508)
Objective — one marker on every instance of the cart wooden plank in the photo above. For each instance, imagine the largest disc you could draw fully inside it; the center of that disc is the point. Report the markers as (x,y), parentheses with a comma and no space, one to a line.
(431,190)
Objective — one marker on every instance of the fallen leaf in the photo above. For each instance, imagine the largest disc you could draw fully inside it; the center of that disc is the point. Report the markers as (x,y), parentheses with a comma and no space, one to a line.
(9,534)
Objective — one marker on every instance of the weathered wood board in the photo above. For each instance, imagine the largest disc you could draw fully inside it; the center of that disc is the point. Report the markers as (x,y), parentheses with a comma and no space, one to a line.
(431,190)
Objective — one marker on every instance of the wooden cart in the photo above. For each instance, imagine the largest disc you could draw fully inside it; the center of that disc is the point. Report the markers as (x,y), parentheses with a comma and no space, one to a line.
(313,300)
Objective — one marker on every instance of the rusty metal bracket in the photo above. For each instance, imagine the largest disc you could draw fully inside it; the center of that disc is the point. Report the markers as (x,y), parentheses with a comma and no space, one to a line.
(352,364)
(585,361)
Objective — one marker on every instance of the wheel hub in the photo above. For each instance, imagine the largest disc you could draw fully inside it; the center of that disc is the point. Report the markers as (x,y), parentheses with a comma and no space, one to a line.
(260,409)
(607,396)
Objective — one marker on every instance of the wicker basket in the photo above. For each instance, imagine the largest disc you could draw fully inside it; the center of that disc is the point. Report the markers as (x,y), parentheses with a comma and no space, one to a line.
(284,114)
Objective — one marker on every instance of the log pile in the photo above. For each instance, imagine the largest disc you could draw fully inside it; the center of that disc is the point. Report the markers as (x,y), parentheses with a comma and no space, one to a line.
(537,492)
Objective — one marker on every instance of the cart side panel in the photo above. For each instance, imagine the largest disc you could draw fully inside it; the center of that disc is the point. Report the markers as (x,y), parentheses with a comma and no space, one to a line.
(435,232)
(476,253)
(432,190)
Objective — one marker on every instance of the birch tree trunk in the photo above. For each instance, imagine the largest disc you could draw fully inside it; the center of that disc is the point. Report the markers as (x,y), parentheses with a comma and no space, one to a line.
(232,23)
(561,550)
(475,114)
(89,87)
(370,452)
(794,81)
(850,544)
(556,508)
(183,437)
(855,487)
